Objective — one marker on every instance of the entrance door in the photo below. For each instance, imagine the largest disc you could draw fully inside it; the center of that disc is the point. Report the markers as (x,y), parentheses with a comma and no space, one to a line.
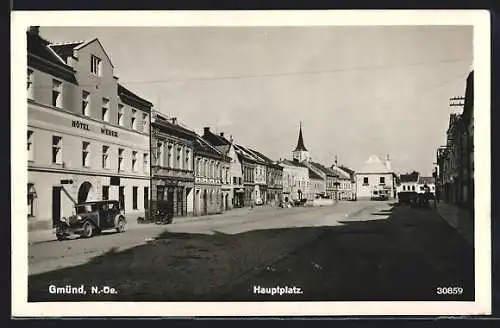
(222,202)
(56,205)
(205,202)
(170,199)
(84,191)
(121,197)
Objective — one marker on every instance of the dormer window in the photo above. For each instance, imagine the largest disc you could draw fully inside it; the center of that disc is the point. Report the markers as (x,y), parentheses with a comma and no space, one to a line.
(95,65)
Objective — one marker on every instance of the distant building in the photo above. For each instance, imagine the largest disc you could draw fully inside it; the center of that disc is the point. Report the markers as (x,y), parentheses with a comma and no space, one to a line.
(426,181)
(274,179)
(330,178)
(344,189)
(172,168)
(211,173)
(260,175)
(248,166)
(235,189)
(408,182)
(316,187)
(295,180)
(352,175)
(375,175)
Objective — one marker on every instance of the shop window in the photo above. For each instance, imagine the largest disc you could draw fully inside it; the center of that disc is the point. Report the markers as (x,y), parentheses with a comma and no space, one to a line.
(105,192)
(382,180)
(146,198)
(365,181)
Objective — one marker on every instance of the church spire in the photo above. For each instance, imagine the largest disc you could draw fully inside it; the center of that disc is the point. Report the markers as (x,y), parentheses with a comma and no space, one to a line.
(300,142)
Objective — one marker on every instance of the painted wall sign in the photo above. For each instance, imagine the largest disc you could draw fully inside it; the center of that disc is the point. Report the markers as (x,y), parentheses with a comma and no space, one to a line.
(80,125)
(109,132)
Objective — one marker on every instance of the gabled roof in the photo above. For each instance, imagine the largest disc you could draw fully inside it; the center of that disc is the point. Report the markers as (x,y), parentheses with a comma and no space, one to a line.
(215,139)
(132,99)
(263,157)
(203,147)
(65,50)
(243,155)
(314,175)
(41,56)
(292,163)
(324,169)
(346,169)
(248,153)
(162,124)
(374,165)
(410,177)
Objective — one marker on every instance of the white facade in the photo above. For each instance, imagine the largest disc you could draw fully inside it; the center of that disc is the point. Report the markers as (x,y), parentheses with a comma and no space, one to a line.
(374,175)
(295,181)
(84,141)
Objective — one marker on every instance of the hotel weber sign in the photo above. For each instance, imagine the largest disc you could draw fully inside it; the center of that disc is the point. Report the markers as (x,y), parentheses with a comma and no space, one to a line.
(84,126)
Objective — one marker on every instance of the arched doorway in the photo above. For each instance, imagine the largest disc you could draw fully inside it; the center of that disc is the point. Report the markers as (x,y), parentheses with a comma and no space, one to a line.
(85,192)
(226,202)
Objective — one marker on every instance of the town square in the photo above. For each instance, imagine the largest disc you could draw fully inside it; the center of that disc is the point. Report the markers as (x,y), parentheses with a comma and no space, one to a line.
(239,164)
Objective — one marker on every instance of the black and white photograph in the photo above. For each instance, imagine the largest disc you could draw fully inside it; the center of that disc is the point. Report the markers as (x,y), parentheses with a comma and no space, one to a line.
(250,163)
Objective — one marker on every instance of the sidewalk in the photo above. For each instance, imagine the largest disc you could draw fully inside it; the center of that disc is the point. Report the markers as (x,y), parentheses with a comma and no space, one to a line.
(46,235)
(40,236)
(458,218)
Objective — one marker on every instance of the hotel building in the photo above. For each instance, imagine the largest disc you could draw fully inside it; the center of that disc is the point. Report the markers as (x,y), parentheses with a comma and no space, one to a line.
(87,135)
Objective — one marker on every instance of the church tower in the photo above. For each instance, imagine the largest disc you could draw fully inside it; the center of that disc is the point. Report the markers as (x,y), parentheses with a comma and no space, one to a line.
(300,153)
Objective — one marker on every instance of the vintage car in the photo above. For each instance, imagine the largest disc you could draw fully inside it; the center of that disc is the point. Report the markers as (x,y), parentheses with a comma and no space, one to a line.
(91,218)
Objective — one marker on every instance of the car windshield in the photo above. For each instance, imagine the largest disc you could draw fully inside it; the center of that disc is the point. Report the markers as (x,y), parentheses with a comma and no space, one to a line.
(82,209)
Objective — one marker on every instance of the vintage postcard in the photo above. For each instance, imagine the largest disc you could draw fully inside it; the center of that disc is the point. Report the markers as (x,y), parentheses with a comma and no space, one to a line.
(277,163)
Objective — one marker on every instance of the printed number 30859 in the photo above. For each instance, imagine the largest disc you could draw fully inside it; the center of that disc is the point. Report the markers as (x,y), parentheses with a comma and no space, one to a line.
(449,290)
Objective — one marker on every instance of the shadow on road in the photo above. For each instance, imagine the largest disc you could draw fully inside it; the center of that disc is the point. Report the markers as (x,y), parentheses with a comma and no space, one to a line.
(396,254)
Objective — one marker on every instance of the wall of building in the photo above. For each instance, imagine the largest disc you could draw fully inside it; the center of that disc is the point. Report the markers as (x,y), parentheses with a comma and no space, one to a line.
(44,122)
(364,191)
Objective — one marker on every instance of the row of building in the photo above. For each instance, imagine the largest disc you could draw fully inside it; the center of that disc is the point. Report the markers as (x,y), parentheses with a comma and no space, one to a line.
(455,161)
(91,138)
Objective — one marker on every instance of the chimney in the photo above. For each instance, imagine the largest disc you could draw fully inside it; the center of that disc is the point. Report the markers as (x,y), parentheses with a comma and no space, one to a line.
(34,30)
(174,120)
(206,130)
(222,134)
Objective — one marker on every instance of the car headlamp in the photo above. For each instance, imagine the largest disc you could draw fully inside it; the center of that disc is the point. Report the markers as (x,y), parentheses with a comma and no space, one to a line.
(78,218)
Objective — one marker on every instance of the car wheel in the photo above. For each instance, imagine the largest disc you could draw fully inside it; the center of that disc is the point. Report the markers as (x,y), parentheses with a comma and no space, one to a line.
(120,227)
(60,236)
(88,230)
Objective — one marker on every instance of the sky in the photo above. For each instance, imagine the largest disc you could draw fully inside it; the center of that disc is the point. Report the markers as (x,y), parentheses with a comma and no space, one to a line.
(357,90)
